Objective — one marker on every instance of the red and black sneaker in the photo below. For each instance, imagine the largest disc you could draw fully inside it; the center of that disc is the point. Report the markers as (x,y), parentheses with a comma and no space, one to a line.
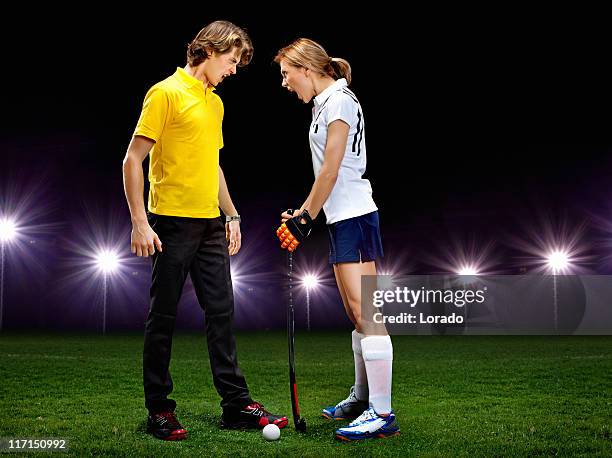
(165,426)
(251,416)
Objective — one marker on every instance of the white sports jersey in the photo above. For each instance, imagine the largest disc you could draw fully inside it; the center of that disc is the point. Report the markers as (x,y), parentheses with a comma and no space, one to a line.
(351,195)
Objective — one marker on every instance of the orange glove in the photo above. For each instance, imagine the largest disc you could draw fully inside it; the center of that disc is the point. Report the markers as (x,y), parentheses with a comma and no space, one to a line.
(292,232)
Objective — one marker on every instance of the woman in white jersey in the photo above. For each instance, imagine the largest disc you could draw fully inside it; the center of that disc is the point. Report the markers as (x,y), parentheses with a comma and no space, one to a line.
(337,142)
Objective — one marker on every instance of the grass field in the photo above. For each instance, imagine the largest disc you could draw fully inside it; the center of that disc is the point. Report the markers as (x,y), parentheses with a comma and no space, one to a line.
(454,396)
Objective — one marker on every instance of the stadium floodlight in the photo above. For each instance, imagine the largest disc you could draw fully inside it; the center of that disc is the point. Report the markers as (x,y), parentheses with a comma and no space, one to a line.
(558,261)
(108,262)
(310,282)
(8,233)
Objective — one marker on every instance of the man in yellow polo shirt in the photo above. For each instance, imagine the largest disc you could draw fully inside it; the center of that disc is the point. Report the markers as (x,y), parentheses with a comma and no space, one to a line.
(180,129)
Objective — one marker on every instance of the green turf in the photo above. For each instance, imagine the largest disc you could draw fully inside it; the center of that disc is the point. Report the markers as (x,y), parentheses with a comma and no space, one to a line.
(454,396)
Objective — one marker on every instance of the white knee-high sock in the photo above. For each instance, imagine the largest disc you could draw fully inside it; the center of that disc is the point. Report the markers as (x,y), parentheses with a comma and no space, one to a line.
(378,356)
(361,377)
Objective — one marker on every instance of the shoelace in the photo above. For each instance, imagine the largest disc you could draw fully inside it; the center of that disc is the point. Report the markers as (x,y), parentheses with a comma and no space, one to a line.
(365,416)
(257,409)
(351,398)
(169,418)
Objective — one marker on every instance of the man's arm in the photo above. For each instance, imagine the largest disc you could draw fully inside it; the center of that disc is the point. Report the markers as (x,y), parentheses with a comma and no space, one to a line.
(144,239)
(225,201)
(232,229)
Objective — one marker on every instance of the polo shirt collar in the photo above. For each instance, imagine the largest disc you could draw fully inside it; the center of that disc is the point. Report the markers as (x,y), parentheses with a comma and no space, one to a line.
(190,81)
(323,96)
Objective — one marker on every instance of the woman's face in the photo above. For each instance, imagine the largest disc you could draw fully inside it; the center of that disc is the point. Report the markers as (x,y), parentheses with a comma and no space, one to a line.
(297,79)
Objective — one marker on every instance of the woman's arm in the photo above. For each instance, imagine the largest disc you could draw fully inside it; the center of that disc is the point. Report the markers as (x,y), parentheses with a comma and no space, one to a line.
(337,136)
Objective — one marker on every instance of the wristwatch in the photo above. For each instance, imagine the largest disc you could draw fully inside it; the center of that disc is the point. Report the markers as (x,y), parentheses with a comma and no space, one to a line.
(232,218)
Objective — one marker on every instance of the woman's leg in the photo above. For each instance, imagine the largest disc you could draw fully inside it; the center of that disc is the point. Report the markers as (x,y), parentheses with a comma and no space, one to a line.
(347,307)
(377,350)
(361,378)
(350,275)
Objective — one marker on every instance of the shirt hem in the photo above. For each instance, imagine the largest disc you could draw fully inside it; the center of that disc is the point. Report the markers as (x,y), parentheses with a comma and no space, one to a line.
(185,214)
(355,214)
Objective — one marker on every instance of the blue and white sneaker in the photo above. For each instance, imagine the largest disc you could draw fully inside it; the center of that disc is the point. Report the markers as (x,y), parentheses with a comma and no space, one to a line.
(369,425)
(348,409)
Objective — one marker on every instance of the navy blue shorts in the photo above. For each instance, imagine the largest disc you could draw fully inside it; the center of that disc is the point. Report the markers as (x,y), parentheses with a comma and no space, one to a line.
(355,239)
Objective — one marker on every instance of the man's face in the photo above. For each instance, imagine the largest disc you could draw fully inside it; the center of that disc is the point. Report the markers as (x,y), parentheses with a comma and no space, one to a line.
(220,66)
(296,79)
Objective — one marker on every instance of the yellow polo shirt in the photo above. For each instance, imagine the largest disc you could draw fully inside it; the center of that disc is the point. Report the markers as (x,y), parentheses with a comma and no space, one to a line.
(184,119)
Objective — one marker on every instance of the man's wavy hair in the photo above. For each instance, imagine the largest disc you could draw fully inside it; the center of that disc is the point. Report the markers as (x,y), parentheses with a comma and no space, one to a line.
(221,37)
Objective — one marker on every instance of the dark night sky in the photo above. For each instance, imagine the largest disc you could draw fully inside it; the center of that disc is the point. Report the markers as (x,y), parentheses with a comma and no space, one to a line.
(478,122)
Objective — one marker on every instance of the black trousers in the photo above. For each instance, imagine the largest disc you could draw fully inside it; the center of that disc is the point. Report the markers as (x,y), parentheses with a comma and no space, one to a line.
(196,246)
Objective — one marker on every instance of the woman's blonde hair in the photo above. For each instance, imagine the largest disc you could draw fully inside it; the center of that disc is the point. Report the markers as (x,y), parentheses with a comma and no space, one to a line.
(310,54)
(221,37)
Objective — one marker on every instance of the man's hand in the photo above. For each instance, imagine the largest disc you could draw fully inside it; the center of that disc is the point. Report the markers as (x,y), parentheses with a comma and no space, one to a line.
(144,240)
(233,236)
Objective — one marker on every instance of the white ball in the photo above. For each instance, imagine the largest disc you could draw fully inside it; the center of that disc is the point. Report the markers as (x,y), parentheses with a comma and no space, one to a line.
(271,432)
